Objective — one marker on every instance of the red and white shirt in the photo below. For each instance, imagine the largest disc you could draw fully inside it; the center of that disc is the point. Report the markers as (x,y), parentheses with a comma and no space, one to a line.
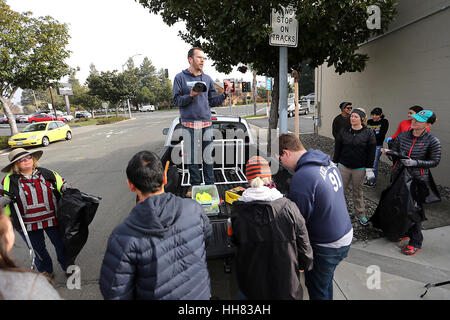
(37,203)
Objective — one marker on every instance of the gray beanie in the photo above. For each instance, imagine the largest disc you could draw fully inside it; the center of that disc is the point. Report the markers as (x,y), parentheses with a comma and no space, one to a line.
(361,113)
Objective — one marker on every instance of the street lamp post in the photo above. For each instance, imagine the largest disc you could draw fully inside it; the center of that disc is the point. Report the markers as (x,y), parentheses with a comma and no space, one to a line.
(128,100)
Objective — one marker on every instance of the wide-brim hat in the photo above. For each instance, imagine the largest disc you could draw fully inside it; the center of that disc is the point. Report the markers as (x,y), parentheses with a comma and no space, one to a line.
(18,154)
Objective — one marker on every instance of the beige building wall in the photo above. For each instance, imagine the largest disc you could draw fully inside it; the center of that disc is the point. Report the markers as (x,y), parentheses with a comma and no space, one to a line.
(409,65)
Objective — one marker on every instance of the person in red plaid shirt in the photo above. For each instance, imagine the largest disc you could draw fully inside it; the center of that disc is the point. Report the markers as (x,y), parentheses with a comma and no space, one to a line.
(37,201)
(194,94)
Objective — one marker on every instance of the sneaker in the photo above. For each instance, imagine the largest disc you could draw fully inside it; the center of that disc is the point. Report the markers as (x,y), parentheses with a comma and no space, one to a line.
(363,221)
(371,184)
(402,239)
(410,250)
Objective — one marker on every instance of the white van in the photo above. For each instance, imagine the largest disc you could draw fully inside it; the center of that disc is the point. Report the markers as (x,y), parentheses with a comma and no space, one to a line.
(147,108)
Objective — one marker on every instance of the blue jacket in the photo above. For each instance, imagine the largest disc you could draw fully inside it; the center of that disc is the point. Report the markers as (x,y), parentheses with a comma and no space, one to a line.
(316,188)
(158,252)
(197,108)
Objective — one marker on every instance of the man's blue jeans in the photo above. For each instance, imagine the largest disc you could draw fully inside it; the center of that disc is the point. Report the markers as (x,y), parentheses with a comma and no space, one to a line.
(37,240)
(319,280)
(375,163)
(200,137)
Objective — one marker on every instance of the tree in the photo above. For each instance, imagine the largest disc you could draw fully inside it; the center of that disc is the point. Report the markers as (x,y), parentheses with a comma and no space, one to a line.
(43,98)
(112,87)
(164,89)
(32,54)
(147,85)
(329,31)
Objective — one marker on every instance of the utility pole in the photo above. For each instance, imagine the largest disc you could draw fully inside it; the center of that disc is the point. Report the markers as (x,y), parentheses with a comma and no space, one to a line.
(297,120)
(283,89)
(35,101)
(53,101)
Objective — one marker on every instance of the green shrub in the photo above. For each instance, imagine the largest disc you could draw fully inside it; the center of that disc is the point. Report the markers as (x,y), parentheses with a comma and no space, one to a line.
(101,121)
(4,142)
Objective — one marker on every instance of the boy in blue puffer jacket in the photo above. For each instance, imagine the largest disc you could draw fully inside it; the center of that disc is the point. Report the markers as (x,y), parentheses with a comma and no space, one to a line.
(159,250)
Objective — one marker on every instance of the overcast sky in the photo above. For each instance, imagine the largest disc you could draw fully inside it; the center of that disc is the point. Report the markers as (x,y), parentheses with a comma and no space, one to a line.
(108,32)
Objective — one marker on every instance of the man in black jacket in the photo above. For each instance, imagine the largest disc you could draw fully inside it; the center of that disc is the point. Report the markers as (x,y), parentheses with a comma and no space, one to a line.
(342,120)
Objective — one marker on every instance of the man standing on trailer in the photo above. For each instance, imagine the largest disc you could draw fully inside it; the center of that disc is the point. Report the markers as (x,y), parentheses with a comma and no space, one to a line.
(194,94)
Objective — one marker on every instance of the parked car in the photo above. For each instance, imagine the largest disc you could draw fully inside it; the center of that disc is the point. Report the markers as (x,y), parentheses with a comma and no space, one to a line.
(68,117)
(302,109)
(40,117)
(147,108)
(83,114)
(23,118)
(311,97)
(41,133)
(3,118)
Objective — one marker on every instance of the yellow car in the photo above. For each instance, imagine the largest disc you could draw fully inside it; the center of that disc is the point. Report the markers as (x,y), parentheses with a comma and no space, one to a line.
(41,133)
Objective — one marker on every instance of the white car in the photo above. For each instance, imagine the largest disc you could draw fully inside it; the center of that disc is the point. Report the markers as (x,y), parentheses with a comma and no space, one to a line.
(83,114)
(302,110)
(147,108)
(68,117)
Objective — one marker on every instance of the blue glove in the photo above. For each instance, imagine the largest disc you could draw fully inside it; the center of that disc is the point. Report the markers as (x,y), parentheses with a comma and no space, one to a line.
(388,139)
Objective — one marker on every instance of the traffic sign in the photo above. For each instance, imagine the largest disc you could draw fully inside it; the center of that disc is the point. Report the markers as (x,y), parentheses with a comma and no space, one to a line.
(269,84)
(284,28)
(65,89)
(225,86)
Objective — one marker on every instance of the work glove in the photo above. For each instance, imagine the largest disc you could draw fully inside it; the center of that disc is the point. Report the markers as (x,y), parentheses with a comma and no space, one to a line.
(388,139)
(409,162)
(4,201)
(369,174)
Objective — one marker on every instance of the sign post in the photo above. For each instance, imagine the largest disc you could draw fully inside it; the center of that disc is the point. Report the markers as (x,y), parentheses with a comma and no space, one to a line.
(284,34)
(65,90)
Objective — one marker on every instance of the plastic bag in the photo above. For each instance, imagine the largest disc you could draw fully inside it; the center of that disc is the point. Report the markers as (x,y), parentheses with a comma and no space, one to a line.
(75,212)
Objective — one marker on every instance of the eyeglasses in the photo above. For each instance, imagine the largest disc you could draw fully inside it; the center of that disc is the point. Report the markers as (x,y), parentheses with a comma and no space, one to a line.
(348,108)
(28,157)
(201,58)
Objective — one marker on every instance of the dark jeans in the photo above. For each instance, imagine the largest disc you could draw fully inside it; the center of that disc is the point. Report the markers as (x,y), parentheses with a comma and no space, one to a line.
(200,137)
(38,242)
(376,163)
(319,280)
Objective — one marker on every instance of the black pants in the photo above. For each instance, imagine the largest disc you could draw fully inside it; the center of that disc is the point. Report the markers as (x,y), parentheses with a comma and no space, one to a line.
(415,235)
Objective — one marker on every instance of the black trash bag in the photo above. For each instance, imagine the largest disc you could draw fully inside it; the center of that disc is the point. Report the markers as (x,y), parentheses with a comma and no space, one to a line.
(397,210)
(425,191)
(75,212)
